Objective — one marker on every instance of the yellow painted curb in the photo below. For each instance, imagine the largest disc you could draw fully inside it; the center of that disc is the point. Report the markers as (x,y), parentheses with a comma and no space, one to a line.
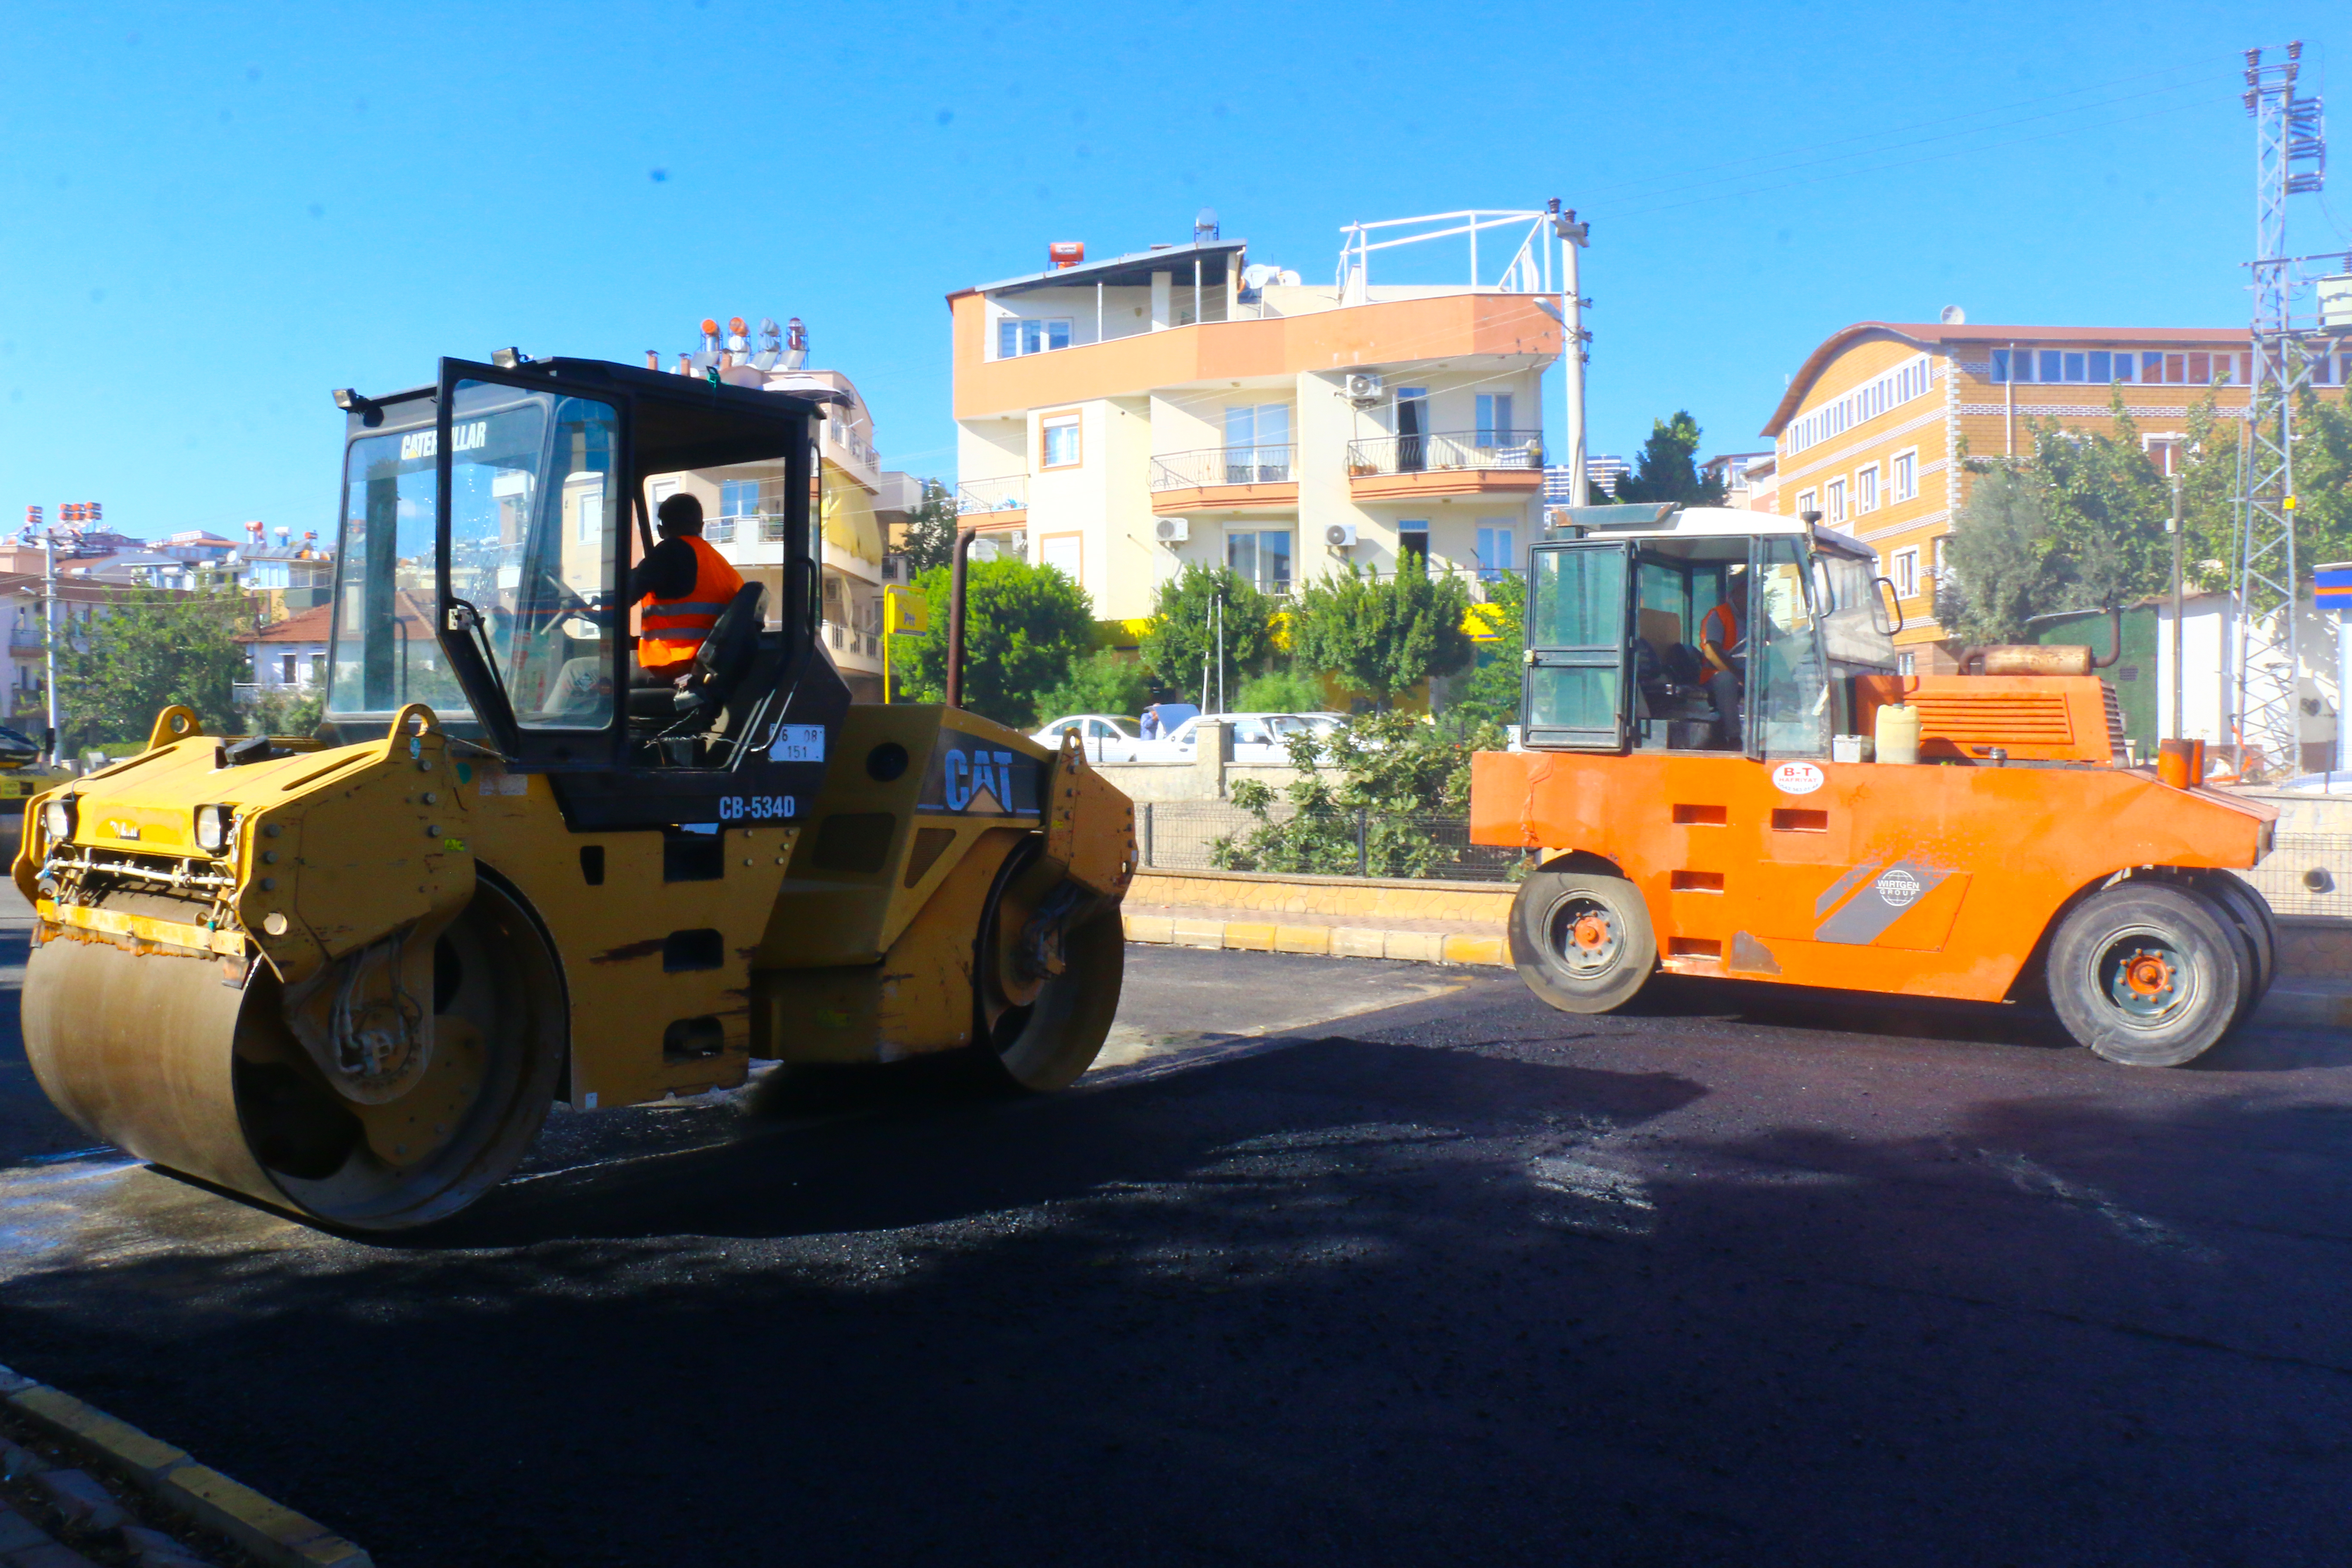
(1150,928)
(145,1458)
(269,1529)
(1475,950)
(1197,933)
(1249,938)
(271,1532)
(1302,939)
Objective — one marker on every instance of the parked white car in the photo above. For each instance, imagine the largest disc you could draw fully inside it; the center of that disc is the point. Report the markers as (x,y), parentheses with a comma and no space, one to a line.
(1257,737)
(1106,739)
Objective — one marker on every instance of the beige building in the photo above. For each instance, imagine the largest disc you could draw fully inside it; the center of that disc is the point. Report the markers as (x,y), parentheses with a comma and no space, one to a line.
(1875,425)
(1122,418)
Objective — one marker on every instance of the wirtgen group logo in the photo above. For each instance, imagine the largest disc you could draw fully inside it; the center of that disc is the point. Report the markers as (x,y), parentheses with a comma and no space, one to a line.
(1899,887)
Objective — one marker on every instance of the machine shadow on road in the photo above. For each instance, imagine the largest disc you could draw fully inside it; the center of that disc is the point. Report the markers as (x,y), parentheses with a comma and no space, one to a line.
(1369,1302)
(937,1150)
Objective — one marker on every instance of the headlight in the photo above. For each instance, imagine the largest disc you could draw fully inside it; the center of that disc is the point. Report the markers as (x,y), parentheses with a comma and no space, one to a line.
(216,825)
(57,819)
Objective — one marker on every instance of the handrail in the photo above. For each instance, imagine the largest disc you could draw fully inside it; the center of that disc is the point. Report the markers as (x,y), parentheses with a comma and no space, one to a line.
(1207,466)
(976,496)
(1445,450)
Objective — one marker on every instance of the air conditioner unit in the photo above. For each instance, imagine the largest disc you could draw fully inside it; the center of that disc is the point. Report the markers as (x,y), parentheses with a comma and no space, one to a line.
(1364,388)
(1340,536)
(1171,530)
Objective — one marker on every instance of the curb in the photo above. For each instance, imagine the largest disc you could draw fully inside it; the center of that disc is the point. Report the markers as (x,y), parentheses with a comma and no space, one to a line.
(1322,940)
(2290,1005)
(271,1531)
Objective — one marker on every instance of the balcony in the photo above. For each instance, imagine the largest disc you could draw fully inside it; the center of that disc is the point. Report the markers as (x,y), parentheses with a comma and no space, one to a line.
(1453,463)
(746,528)
(993,504)
(1224,477)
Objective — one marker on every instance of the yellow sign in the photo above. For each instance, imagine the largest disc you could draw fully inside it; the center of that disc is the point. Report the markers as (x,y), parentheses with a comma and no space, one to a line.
(905,613)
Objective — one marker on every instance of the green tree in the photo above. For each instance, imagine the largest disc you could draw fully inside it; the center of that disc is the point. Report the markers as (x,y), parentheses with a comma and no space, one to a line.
(2108,505)
(1106,681)
(1491,695)
(931,529)
(1182,640)
(2004,567)
(152,649)
(1024,627)
(1281,691)
(1668,466)
(1383,634)
(1395,769)
(283,713)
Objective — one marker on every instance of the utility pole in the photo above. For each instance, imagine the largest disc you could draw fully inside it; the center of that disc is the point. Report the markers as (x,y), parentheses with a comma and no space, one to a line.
(1573,236)
(49,632)
(2179,727)
(2290,159)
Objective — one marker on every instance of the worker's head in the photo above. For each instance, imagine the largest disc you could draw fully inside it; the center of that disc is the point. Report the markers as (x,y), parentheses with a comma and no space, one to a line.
(681,514)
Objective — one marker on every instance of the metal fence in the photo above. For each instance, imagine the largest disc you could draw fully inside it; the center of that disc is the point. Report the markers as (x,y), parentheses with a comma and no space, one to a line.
(1447,449)
(1202,836)
(2306,874)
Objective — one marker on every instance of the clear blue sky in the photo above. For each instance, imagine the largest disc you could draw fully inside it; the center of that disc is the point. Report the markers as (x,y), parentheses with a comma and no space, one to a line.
(211,217)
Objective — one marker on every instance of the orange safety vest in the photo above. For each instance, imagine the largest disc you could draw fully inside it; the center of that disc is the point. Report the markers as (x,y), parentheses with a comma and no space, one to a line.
(673,629)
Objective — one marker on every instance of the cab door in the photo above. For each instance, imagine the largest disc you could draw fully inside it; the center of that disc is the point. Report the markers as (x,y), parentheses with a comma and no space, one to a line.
(1578,655)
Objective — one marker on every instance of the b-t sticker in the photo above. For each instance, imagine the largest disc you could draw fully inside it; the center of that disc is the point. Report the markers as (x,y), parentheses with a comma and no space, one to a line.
(1798,778)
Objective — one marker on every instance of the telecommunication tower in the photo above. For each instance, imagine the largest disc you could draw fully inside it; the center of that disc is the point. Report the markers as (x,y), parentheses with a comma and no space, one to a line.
(2290,159)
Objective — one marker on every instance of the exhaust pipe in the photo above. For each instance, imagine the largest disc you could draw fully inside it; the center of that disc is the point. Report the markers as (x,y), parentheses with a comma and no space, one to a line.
(2045,658)
(964,536)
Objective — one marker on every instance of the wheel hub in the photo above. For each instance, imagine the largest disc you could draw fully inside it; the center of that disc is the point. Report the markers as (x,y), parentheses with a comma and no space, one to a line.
(1588,937)
(2144,976)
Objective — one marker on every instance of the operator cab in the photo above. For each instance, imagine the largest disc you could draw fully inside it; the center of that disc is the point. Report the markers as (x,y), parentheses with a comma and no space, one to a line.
(487,530)
(1657,628)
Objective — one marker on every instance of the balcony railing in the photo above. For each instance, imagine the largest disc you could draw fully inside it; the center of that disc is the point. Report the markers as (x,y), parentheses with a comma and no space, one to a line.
(1445,451)
(977,497)
(1225,466)
(745,529)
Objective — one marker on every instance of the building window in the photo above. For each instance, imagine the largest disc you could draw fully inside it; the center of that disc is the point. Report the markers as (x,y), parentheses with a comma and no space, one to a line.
(1066,552)
(1834,493)
(1495,427)
(1906,475)
(286,669)
(1413,542)
(1261,557)
(1807,501)
(1015,337)
(318,670)
(2165,452)
(1907,380)
(1939,556)
(1257,444)
(1903,663)
(1058,447)
(1497,550)
(1906,573)
(1865,489)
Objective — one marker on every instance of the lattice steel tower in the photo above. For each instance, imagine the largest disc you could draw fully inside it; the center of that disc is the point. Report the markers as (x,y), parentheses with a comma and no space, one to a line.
(2290,159)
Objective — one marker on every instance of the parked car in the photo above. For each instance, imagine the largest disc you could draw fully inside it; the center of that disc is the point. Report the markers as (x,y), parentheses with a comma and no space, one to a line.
(1106,739)
(1257,737)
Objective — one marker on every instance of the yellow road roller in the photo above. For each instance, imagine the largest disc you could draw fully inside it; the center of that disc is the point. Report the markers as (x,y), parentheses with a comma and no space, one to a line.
(347,974)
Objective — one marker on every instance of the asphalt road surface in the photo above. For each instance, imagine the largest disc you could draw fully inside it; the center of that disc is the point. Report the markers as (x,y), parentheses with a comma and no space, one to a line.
(1332,1262)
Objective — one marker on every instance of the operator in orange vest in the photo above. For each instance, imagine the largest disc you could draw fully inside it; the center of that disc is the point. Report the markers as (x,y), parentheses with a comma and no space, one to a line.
(1721,638)
(680,586)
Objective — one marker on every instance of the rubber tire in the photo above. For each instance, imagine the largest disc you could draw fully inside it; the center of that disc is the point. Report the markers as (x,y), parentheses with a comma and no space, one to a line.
(1057,1037)
(2250,912)
(1534,914)
(2207,941)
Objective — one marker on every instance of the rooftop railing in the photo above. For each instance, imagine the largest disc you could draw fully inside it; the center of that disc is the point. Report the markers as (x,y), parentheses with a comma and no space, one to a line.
(1445,451)
(1225,466)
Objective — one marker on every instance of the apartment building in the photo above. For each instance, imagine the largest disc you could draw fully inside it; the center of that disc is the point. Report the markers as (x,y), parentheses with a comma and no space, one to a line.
(289,655)
(1873,427)
(1179,405)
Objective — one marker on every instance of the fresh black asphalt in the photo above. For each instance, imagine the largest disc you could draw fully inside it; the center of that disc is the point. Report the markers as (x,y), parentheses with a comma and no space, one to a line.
(1740,1277)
